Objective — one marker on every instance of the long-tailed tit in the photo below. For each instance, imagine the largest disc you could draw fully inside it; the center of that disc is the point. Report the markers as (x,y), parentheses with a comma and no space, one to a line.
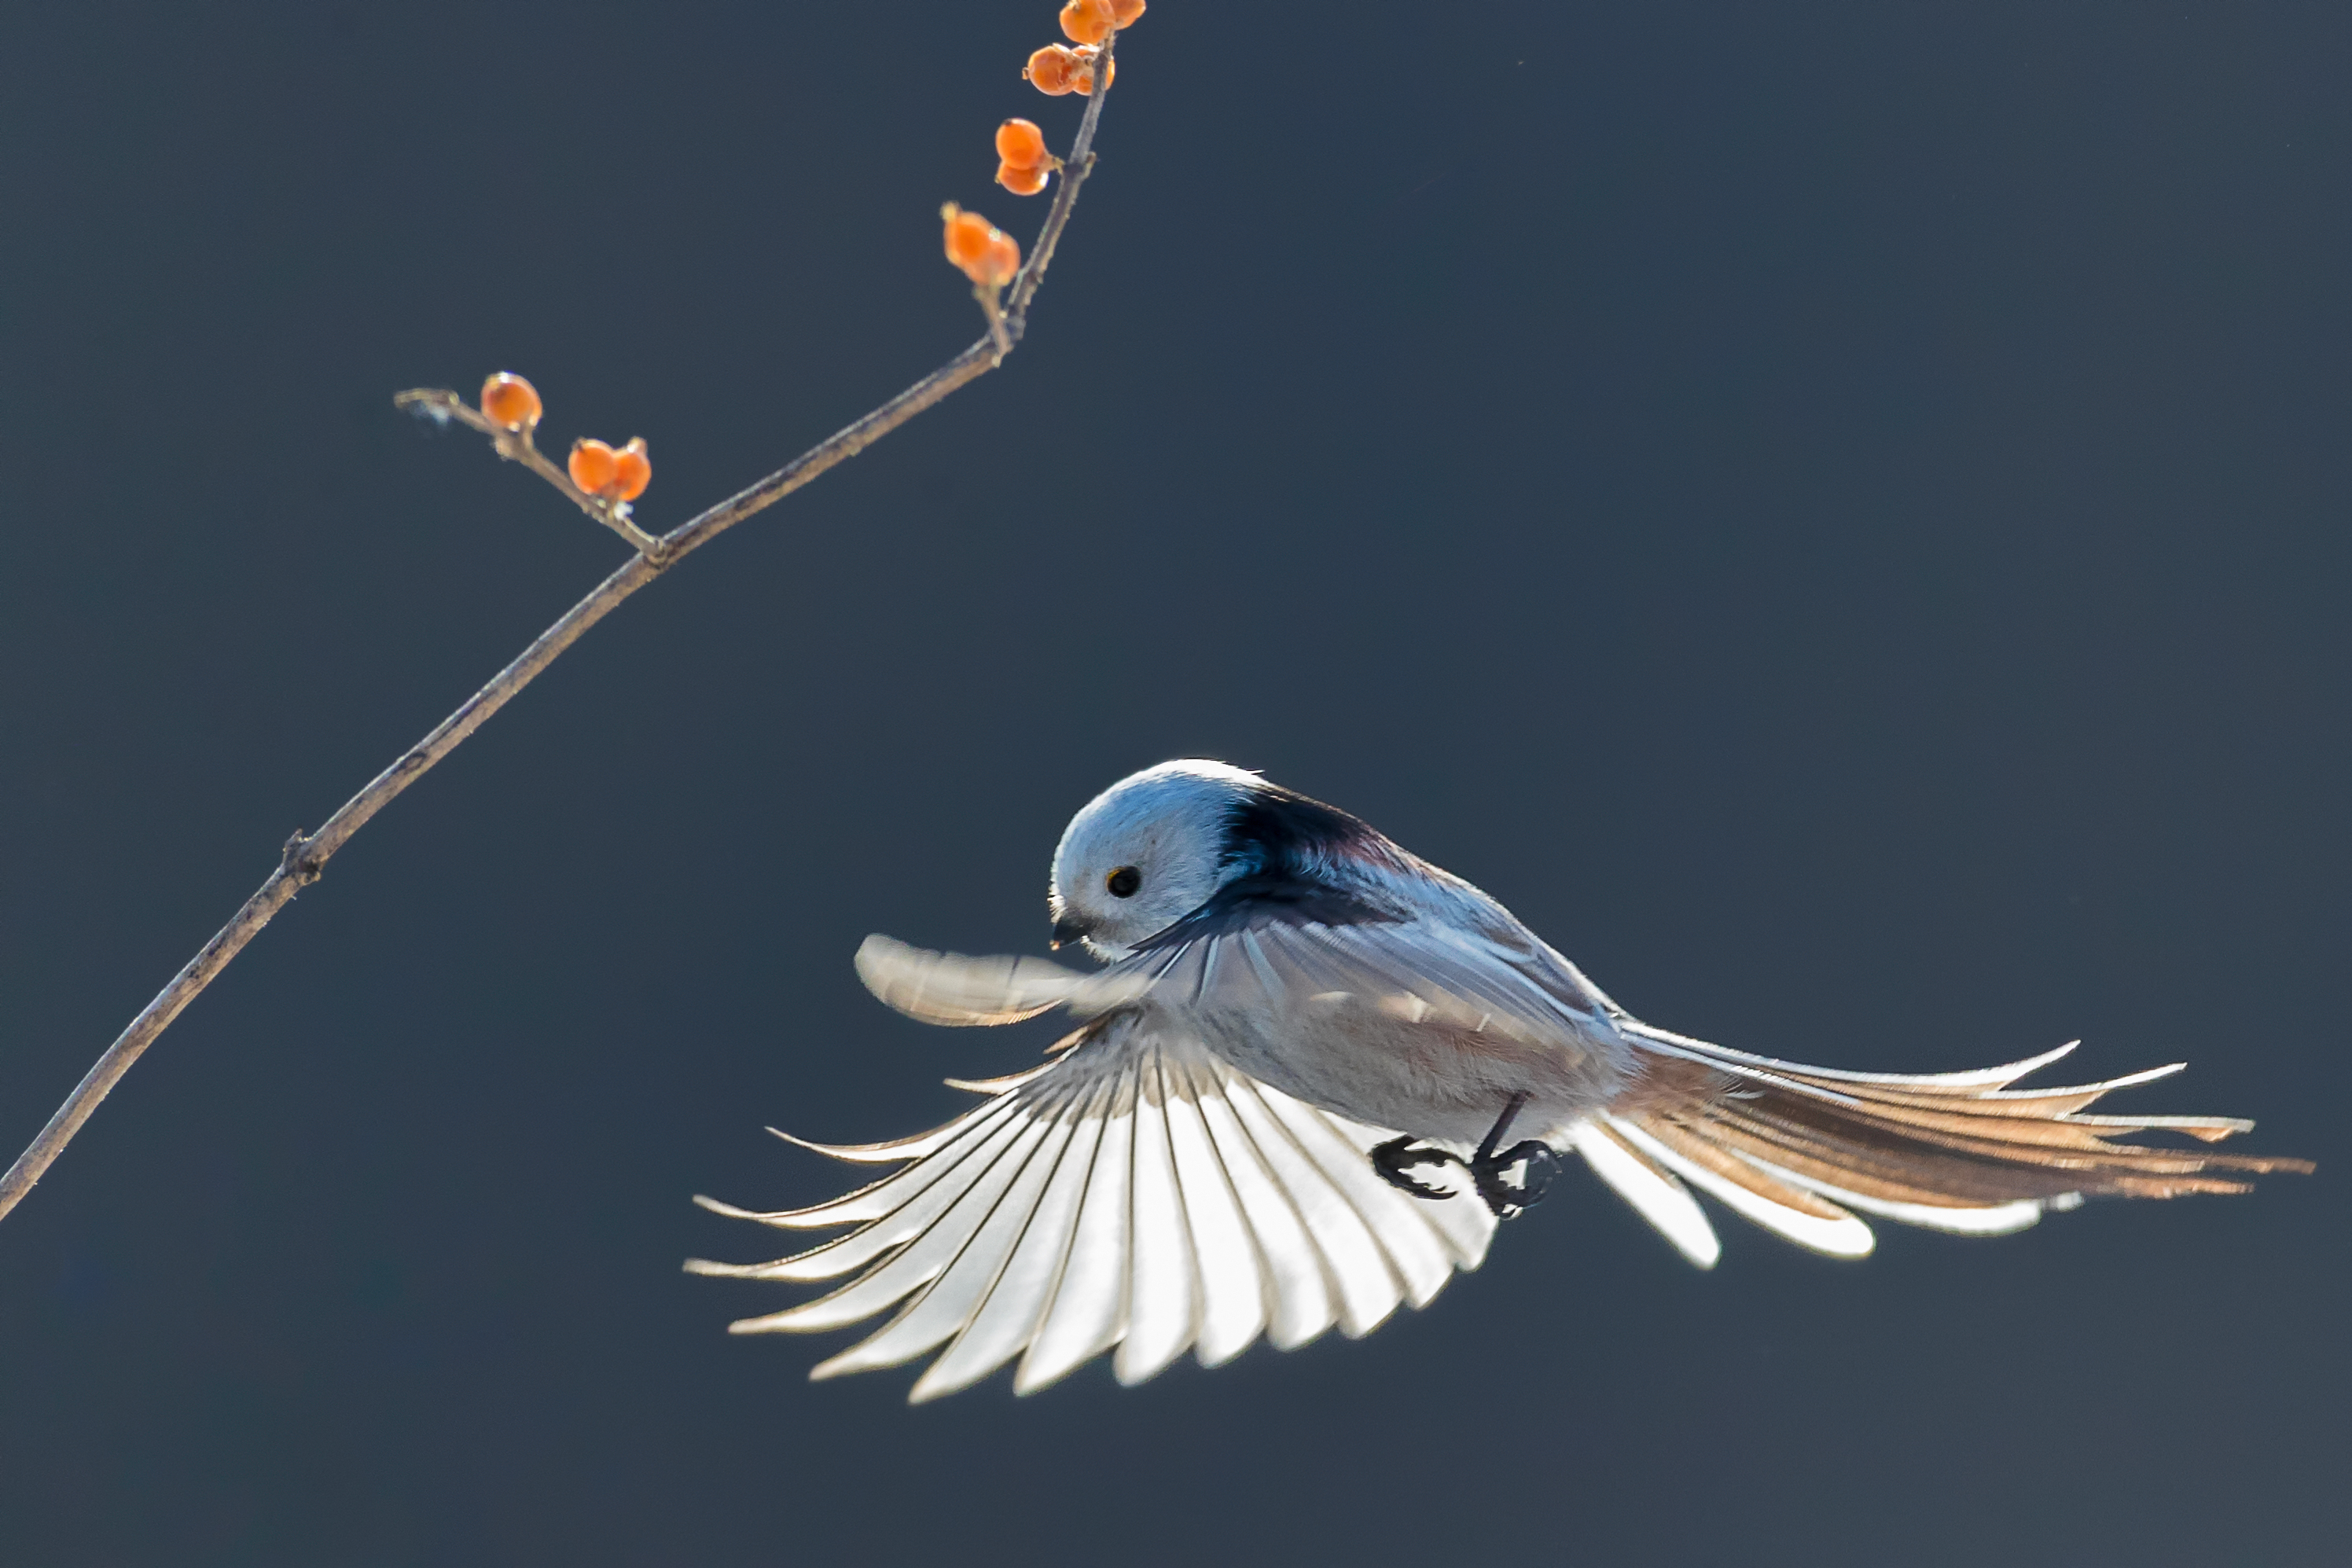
(1316,1070)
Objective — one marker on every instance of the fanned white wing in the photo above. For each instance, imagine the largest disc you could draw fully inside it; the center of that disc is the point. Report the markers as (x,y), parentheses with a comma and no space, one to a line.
(1135,1195)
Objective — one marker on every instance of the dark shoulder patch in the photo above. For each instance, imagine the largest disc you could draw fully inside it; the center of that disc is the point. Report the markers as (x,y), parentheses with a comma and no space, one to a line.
(1248,902)
(1286,848)
(1277,831)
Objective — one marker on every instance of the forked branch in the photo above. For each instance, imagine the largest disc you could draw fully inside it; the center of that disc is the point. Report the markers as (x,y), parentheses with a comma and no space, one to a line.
(305,856)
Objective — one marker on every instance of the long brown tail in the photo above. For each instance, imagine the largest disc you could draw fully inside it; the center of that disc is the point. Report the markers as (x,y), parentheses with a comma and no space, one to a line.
(1796,1148)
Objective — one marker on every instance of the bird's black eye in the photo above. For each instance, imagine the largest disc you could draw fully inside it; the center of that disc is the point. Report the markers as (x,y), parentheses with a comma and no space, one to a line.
(1123,881)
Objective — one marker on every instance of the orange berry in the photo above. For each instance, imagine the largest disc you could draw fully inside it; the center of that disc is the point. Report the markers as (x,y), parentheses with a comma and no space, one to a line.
(987,254)
(1087,21)
(510,401)
(1052,70)
(594,465)
(1021,180)
(1003,261)
(1123,13)
(632,469)
(1083,84)
(967,235)
(1020,144)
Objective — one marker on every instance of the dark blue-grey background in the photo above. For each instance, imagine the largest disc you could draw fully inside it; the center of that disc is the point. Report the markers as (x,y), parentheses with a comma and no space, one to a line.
(1835,513)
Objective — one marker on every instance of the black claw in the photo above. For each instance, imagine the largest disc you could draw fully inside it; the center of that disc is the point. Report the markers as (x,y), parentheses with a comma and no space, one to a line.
(1399,1154)
(1418,1189)
(1505,1200)
(1510,1199)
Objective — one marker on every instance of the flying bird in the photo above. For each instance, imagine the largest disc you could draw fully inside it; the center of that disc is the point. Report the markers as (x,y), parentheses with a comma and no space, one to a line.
(1315,1072)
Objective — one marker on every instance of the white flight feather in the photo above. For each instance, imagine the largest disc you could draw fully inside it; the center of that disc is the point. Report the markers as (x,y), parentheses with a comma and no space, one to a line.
(1006,1323)
(1298,1297)
(929,1251)
(1654,1194)
(947,1303)
(1364,1286)
(1085,1313)
(1163,1292)
(1233,1290)
(1422,1258)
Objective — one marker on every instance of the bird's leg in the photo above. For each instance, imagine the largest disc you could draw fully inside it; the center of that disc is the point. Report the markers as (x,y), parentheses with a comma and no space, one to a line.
(1508,1199)
(1394,1158)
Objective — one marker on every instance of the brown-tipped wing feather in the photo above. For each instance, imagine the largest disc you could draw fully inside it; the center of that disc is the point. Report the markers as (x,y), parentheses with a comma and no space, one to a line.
(1797,1141)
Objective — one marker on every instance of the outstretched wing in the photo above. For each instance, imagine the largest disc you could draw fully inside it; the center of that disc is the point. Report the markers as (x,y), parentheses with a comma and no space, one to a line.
(1136,1194)
(951,988)
(1260,947)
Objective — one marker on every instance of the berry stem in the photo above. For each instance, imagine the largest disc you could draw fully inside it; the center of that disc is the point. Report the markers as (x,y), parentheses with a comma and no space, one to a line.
(1075,170)
(517,446)
(305,856)
(989,308)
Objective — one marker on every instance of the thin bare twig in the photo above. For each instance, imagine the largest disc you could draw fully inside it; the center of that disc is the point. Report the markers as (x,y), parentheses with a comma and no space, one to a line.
(443,405)
(305,856)
(995,314)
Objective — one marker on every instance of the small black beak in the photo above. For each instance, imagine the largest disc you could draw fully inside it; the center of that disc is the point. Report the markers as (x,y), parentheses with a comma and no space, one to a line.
(1068,930)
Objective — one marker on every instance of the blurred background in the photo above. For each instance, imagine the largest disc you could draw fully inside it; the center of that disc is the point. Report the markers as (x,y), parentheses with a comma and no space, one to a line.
(1836,514)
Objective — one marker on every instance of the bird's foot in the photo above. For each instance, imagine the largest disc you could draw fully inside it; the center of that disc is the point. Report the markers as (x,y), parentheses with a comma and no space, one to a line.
(1509,1199)
(1395,1159)
(1506,1199)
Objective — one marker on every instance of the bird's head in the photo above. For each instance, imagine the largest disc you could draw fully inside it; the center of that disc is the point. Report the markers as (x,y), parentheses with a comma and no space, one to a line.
(1147,852)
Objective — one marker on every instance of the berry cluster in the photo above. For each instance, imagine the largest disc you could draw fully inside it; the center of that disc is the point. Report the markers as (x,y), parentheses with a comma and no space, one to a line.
(512,405)
(1058,68)
(1022,160)
(616,476)
(1092,20)
(985,254)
